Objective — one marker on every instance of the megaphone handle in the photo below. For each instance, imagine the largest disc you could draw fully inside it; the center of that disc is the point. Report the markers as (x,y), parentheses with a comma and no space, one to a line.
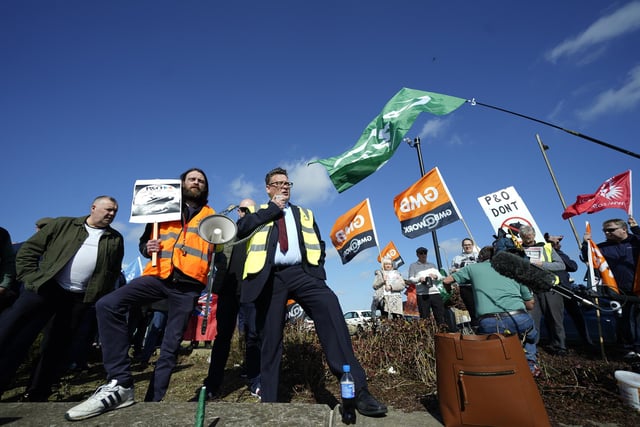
(154,236)
(203,330)
(212,277)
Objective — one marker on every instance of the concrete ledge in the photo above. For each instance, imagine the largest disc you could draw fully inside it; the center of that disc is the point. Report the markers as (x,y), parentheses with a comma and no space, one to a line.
(217,414)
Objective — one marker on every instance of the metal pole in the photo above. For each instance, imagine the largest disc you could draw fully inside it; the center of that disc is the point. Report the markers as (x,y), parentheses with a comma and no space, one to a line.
(446,258)
(543,148)
(436,247)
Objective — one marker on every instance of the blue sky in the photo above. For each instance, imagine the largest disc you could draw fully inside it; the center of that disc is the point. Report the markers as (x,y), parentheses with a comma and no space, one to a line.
(96,95)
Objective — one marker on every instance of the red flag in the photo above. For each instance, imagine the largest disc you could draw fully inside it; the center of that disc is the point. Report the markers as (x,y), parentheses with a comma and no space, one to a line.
(599,263)
(613,193)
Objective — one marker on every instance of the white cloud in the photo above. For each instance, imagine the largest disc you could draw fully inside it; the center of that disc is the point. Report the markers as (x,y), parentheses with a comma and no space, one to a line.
(433,128)
(312,185)
(622,21)
(557,110)
(615,100)
(241,189)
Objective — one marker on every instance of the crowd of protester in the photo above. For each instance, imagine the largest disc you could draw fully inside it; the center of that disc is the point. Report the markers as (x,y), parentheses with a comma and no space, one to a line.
(65,284)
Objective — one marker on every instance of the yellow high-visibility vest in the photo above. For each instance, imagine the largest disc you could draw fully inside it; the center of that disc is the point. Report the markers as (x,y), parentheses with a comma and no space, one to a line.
(257,246)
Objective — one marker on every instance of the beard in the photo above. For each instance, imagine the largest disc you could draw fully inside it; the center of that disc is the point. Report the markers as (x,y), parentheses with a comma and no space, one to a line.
(194,195)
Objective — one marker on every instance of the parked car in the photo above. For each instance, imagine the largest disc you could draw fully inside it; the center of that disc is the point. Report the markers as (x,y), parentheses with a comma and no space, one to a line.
(358,320)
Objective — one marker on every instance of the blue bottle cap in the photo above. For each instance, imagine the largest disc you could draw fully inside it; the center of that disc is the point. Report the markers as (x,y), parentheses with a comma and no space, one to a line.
(346,368)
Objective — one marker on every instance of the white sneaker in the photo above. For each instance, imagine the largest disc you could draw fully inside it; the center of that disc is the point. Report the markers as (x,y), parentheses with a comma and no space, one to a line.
(106,398)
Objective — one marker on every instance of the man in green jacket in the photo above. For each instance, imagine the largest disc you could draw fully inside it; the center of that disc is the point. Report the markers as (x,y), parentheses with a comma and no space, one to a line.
(65,268)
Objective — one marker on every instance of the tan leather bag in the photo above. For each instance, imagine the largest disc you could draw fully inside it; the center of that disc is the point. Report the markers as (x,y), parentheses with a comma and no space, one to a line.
(484,380)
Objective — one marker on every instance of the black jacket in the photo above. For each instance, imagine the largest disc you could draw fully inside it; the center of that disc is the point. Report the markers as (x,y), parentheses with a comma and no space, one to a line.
(253,285)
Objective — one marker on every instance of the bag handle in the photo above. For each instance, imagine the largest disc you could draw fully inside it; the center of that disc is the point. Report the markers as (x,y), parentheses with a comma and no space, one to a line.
(458,338)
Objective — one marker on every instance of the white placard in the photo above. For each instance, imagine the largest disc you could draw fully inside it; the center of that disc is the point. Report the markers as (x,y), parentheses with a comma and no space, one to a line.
(156,200)
(505,209)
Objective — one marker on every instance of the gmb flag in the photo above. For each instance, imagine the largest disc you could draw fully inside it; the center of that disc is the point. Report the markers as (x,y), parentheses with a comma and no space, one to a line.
(383,135)
(425,206)
(354,232)
(392,252)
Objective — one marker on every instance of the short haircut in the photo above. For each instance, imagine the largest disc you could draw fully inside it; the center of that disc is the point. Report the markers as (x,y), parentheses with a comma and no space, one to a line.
(275,171)
(111,199)
(527,229)
(485,253)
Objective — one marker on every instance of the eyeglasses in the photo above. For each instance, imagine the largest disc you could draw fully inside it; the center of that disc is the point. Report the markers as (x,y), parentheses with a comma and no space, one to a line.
(281,184)
(610,230)
(468,245)
(243,209)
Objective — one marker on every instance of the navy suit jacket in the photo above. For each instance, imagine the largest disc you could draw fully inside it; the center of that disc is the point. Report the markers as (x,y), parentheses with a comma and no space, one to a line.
(254,284)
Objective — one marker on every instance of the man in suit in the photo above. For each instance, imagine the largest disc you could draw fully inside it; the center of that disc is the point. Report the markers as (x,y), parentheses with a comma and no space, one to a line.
(285,259)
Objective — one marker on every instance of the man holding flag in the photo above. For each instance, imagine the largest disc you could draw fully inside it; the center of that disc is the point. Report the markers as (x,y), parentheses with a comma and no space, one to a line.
(621,251)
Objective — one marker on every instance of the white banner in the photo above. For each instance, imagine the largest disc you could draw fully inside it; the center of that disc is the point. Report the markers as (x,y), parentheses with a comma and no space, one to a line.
(156,200)
(505,209)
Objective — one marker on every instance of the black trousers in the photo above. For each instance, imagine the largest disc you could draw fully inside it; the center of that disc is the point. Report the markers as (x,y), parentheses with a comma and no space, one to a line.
(466,294)
(431,302)
(226,317)
(322,305)
(20,324)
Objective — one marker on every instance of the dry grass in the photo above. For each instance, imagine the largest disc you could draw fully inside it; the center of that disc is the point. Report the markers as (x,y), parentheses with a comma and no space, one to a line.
(578,389)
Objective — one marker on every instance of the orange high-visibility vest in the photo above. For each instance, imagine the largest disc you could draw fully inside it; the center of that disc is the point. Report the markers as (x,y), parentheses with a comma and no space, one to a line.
(183,249)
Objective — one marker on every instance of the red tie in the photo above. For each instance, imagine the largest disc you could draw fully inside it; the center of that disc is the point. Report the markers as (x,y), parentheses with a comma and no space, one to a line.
(282,235)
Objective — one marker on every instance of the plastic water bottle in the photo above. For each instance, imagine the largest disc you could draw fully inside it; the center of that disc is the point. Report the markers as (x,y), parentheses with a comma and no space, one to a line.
(348,393)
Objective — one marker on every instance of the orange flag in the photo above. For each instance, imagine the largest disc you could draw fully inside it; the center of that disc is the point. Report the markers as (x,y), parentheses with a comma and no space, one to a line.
(425,206)
(392,252)
(599,262)
(354,232)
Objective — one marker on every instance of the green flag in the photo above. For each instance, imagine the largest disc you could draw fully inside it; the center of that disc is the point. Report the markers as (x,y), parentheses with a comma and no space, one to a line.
(383,135)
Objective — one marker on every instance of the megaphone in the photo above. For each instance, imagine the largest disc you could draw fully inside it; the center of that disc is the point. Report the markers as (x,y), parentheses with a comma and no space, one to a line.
(217,229)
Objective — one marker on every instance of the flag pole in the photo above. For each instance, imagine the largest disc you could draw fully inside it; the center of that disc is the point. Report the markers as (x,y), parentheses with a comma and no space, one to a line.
(455,206)
(415,143)
(630,211)
(572,132)
(375,233)
(592,281)
(543,149)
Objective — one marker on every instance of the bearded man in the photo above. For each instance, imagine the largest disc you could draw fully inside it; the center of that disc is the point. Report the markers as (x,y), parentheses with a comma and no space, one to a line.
(180,275)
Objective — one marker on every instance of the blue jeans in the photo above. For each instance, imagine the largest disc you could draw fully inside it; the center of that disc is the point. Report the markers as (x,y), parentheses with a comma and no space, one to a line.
(520,324)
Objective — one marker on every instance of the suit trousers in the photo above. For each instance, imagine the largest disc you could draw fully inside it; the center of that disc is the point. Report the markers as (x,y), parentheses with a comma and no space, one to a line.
(112,312)
(322,305)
